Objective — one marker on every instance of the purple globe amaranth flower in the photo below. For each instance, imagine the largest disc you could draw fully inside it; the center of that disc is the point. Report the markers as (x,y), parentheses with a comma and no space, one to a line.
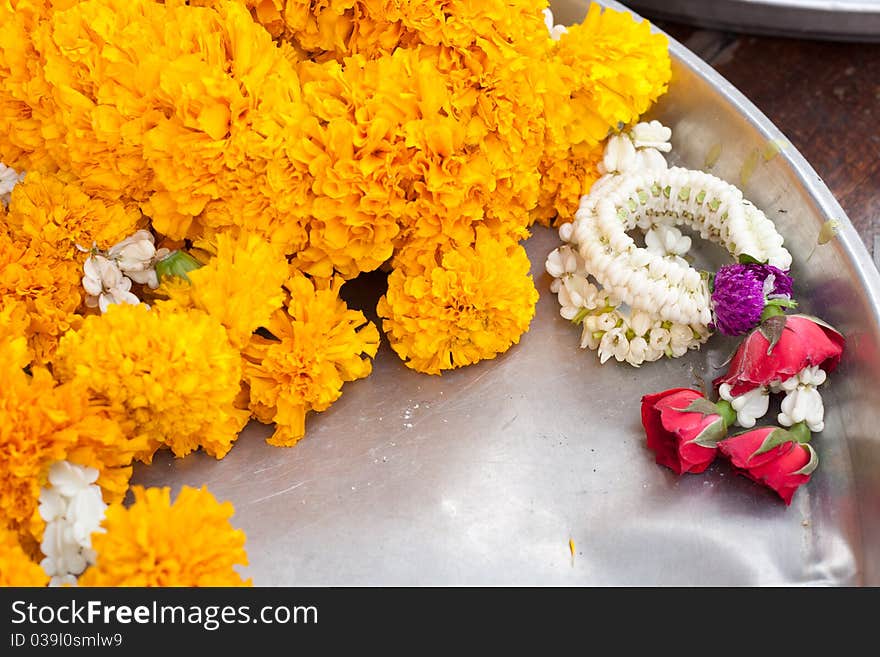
(741,292)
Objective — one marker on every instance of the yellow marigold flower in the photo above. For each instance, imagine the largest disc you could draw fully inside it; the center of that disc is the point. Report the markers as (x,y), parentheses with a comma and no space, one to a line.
(317,344)
(46,285)
(564,181)
(603,73)
(472,304)
(241,286)
(53,210)
(190,111)
(155,542)
(42,422)
(16,567)
(13,328)
(24,91)
(168,377)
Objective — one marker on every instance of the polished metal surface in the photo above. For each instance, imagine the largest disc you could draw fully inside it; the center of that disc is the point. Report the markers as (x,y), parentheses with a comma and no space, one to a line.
(850,20)
(482,476)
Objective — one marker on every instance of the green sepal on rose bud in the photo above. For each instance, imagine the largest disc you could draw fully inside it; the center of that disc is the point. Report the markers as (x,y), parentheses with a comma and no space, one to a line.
(177,263)
(716,431)
(798,433)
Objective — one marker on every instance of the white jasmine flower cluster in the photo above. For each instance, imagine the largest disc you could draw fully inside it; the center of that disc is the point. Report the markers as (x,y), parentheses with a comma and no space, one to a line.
(636,337)
(105,283)
(640,149)
(9,178)
(749,406)
(108,276)
(556,31)
(606,325)
(802,402)
(665,240)
(73,509)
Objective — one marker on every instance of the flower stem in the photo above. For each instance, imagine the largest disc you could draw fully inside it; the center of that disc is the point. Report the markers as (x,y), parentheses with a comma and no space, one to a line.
(801,432)
(771,310)
(726,411)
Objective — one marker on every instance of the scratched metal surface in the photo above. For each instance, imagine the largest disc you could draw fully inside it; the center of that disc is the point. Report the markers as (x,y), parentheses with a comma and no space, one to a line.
(483,475)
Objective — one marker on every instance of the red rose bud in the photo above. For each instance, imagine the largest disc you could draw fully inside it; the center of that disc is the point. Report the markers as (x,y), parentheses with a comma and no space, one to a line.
(780,348)
(772,457)
(683,427)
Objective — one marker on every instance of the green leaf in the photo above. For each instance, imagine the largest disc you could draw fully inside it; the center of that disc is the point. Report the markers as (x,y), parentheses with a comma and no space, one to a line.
(727,412)
(812,464)
(700,405)
(710,436)
(746,259)
(782,303)
(773,148)
(801,432)
(771,310)
(712,156)
(176,263)
(710,279)
(775,438)
(772,328)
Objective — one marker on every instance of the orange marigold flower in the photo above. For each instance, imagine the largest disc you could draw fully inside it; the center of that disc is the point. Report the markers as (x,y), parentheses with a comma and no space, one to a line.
(169,377)
(45,286)
(564,181)
(155,542)
(187,110)
(54,211)
(472,304)
(602,73)
(16,567)
(25,95)
(317,345)
(241,286)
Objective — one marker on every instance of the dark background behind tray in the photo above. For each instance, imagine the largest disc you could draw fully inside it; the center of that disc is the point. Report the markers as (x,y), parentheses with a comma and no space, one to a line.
(824,94)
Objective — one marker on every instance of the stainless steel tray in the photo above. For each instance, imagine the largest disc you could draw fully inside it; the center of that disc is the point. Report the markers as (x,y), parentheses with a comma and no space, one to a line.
(483,475)
(851,20)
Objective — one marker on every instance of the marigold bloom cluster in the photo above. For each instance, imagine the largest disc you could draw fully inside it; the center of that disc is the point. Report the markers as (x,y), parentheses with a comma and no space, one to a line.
(471,305)
(232,163)
(317,343)
(155,542)
(16,567)
(169,377)
(240,286)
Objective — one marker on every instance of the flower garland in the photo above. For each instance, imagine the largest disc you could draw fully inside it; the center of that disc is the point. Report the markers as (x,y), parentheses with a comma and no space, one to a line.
(639,304)
(185,188)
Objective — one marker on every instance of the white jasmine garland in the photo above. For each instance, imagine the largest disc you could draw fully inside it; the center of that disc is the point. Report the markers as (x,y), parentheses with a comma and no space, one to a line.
(73,509)
(614,343)
(652,134)
(667,240)
(599,267)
